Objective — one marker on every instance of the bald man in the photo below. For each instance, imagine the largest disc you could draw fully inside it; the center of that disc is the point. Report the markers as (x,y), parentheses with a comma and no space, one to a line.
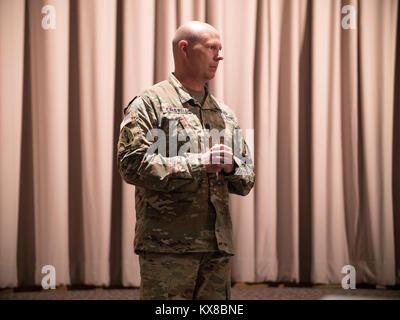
(183,151)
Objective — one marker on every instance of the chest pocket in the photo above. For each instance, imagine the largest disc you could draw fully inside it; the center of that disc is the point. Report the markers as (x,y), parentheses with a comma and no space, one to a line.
(182,131)
(229,122)
(221,127)
(190,137)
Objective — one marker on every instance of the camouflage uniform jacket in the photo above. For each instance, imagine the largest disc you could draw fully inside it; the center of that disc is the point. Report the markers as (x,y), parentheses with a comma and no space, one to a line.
(179,207)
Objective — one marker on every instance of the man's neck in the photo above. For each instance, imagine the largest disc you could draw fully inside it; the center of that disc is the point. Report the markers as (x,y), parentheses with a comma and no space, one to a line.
(189,82)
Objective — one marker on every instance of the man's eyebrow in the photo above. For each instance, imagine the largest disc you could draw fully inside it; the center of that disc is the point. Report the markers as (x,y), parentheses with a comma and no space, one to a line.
(215,43)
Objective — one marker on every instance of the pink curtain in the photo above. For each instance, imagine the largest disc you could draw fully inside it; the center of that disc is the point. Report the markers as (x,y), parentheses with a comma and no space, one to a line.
(323,101)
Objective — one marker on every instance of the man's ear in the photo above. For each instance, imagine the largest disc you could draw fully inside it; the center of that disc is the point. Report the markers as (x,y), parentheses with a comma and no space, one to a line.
(183,45)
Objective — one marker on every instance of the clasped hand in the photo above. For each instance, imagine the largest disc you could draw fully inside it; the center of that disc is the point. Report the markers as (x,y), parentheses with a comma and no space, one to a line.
(218,158)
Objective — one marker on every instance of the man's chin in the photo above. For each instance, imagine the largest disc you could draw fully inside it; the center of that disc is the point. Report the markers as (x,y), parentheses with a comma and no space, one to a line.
(211,75)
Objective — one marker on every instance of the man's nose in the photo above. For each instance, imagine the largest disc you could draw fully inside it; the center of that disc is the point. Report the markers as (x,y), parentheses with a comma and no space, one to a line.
(219,57)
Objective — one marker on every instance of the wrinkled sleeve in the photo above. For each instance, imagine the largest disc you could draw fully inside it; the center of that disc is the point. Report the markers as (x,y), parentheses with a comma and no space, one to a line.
(241,180)
(139,164)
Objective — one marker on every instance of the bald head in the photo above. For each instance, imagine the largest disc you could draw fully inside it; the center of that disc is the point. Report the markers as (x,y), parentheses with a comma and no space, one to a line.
(196,47)
(192,32)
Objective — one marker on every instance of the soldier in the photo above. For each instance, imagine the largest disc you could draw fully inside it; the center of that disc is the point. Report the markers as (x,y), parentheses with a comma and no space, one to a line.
(183,232)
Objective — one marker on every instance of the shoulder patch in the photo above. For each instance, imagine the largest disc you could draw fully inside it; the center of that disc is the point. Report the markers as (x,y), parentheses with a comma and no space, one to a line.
(128,119)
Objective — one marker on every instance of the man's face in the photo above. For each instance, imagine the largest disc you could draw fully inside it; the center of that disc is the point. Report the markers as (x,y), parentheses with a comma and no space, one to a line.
(204,56)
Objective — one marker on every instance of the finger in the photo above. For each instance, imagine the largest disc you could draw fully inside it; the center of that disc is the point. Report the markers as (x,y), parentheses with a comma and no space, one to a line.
(221,147)
(222,157)
(225,147)
(227,157)
(215,147)
(227,167)
(222,153)
(217,159)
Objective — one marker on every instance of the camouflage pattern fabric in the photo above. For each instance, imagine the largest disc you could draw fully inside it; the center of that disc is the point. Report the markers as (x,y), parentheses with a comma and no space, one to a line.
(179,207)
(193,276)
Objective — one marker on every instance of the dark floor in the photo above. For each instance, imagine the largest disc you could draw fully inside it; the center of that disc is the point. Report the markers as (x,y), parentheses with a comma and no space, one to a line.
(239,292)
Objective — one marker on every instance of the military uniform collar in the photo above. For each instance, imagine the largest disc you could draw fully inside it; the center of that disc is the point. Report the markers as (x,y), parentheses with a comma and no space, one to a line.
(184,96)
